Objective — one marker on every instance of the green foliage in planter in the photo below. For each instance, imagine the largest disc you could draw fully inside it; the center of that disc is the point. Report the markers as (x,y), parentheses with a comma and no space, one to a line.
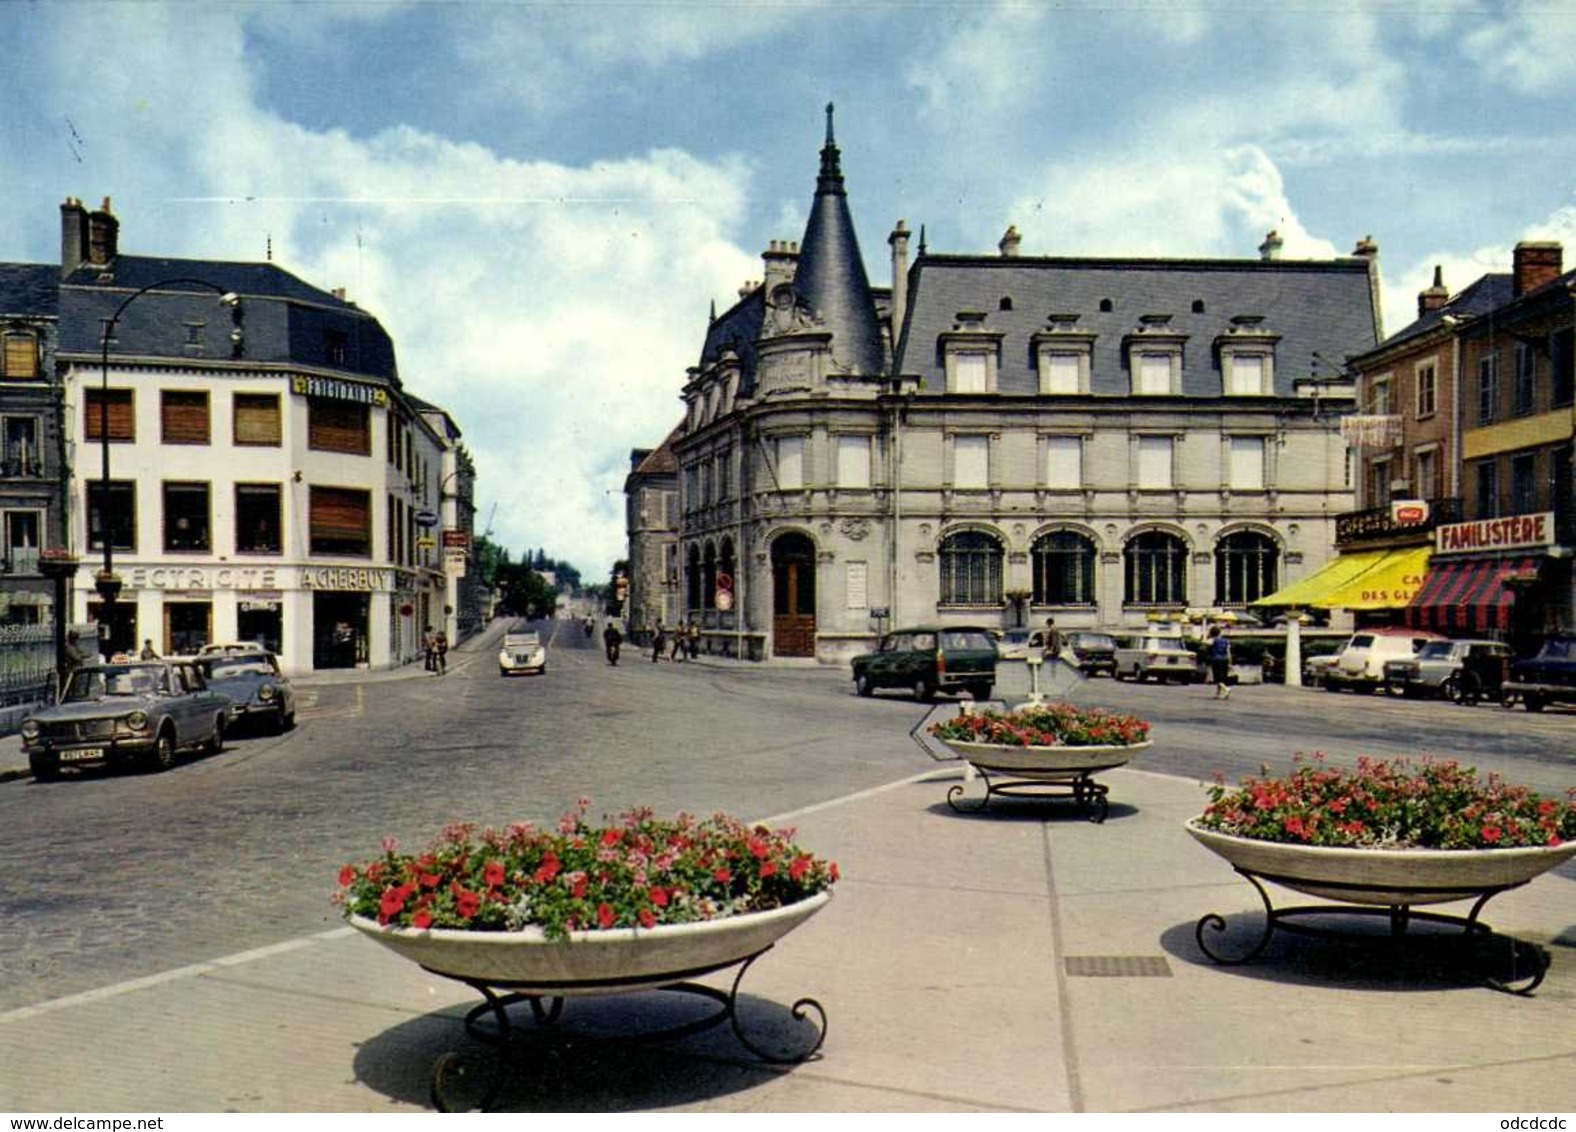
(1044,725)
(1396,804)
(635,871)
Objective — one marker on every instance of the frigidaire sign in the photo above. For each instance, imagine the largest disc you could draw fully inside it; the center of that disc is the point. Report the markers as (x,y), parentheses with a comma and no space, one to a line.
(1514,532)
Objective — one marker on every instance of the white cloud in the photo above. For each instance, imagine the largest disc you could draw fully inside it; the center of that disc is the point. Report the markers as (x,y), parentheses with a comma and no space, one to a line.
(1531,49)
(991,63)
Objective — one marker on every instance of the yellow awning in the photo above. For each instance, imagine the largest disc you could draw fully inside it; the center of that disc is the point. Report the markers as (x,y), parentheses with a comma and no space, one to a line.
(1368,579)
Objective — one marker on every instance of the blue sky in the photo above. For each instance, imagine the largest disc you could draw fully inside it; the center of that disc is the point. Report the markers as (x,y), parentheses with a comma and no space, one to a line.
(541,200)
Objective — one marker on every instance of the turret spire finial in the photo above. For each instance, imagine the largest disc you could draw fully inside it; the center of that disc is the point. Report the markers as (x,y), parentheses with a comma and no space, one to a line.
(830,140)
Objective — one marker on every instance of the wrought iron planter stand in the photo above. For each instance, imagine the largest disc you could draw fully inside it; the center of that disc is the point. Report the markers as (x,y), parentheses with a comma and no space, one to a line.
(490,1023)
(1400,916)
(1090,795)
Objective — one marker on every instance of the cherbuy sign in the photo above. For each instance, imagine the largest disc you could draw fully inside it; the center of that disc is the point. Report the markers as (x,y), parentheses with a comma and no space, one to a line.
(1514,532)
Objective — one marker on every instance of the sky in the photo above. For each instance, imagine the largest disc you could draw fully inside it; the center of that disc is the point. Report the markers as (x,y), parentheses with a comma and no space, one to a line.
(541,200)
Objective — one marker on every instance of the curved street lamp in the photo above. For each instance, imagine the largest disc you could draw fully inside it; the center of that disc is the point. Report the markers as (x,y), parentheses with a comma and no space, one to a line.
(106,581)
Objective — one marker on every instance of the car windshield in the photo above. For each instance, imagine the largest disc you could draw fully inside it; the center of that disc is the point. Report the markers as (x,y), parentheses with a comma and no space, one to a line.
(1015,637)
(1094,641)
(1166,644)
(521,641)
(114,680)
(252,666)
(965,639)
(1437,650)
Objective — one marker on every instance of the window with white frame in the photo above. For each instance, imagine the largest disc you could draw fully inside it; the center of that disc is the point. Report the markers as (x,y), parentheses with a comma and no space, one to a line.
(1062,372)
(970,371)
(1246,374)
(853,461)
(22,533)
(790,462)
(1427,389)
(1063,462)
(1426,483)
(1154,462)
(1488,390)
(1246,472)
(1381,399)
(971,462)
(1153,372)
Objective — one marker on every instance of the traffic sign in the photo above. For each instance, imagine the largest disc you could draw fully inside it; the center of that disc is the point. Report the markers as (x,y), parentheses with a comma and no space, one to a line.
(724,582)
(426,542)
(724,599)
(426,518)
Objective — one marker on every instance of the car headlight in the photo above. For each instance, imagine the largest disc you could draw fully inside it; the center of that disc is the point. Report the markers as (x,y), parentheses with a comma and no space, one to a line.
(267,692)
(31,729)
(137,721)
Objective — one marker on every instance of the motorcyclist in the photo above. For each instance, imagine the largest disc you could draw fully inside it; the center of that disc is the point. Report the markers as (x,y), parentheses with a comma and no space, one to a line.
(611,639)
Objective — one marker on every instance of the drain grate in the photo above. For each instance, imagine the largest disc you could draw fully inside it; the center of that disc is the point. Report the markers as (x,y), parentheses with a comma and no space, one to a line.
(1118,966)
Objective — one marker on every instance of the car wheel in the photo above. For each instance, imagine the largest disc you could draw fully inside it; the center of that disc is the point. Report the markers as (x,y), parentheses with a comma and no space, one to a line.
(162,757)
(981,692)
(862,685)
(1140,675)
(924,691)
(216,744)
(45,768)
(1451,689)
(1533,701)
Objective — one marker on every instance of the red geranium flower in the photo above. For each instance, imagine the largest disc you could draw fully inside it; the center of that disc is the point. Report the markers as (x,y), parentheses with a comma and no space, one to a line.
(604,915)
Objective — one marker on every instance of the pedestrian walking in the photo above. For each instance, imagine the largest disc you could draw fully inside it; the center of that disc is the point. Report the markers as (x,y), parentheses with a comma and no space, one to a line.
(441,648)
(611,640)
(429,649)
(694,639)
(1220,662)
(679,640)
(659,641)
(1053,640)
(148,652)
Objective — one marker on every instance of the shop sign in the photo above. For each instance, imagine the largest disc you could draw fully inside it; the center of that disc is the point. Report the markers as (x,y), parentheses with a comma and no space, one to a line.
(202,578)
(1514,532)
(454,563)
(338,389)
(426,519)
(255,605)
(456,540)
(353,578)
(1408,512)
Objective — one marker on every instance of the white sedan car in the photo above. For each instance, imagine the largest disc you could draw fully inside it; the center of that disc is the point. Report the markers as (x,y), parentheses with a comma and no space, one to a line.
(522,652)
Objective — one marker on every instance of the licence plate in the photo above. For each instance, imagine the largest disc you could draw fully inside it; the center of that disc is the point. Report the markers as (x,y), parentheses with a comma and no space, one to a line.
(85,755)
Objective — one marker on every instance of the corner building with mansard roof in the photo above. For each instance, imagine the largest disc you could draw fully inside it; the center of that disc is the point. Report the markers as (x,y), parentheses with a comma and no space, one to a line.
(1000,439)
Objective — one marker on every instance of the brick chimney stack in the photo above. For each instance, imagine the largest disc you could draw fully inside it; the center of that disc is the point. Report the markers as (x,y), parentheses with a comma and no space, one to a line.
(73,235)
(1009,242)
(1270,249)
(1535,263)
(103,236)
(1435,296)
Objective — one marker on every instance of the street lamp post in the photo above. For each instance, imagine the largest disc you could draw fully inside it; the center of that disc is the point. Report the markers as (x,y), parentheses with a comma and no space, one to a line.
(107,582)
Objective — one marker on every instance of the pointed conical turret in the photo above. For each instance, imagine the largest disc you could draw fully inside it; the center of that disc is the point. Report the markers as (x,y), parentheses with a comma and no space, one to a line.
(831,273)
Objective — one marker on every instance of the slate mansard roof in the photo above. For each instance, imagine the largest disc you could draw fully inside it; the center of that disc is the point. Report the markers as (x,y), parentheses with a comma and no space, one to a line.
(29,289)
(1324,307)
(283,319)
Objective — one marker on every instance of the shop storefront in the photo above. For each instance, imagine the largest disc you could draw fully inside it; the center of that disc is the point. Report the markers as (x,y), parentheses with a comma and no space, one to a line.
(1491,578)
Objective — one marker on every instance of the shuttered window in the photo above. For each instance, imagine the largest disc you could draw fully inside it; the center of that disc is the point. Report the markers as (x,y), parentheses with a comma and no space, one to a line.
(122,418)
(257,419)
(339,426)
(20,360)
(183,416)
(341,521)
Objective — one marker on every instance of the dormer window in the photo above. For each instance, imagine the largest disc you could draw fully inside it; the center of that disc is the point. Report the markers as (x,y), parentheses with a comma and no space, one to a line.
(969,353)
(1154,357)
(1063,356)
(1247,358)
(19,361)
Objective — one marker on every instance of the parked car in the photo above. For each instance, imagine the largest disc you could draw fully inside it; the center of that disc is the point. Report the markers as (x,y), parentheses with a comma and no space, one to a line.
(1151,656)
(258,690)
(231,648)
(1549,677)
(1360,663)
(1014,644)
(930,659)
(1093,653)
(145,712)
(1457,670)
(522,652)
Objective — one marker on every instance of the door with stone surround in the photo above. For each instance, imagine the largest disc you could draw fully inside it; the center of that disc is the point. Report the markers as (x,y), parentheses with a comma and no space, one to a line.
(793,595)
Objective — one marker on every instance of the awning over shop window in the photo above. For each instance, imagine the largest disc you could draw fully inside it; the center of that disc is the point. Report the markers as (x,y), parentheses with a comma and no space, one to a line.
(1471,595)
(1369,579)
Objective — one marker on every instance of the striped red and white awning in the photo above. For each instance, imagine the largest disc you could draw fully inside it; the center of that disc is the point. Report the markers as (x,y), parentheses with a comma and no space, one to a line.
(1469,596)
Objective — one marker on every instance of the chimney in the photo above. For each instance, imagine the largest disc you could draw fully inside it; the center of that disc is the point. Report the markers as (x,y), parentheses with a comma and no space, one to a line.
(899,241)
(1366,248)
(779,261)
(1009,242)
(1270,249)
(1436,296)
(73,235)
(103,236)
(1535,263)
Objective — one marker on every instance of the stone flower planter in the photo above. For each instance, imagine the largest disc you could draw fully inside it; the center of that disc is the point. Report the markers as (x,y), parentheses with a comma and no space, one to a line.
(1038,772)
(1385,883)
(592,962)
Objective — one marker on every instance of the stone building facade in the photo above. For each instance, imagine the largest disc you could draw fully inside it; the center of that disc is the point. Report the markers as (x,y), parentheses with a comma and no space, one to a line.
(1000,439)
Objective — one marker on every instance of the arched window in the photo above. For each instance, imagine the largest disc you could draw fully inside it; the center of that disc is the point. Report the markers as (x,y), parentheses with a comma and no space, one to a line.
(1247,567)
(692,578)
(1064,569)
(1156,569)
(708,578)
(970,569)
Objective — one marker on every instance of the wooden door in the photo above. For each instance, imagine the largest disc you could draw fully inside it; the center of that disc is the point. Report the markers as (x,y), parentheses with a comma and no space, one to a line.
(793,596)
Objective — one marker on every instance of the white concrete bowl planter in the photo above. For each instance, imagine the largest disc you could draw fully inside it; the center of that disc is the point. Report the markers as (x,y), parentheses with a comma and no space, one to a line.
(1039,772)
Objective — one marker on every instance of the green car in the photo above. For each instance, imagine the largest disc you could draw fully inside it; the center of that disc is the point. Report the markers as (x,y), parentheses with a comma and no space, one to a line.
(930,659)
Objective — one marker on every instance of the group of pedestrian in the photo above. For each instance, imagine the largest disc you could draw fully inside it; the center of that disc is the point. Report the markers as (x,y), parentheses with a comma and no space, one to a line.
(683,642)
(435,646)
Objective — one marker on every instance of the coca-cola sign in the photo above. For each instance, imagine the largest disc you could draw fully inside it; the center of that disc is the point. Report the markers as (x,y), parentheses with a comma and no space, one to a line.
(1409,512)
